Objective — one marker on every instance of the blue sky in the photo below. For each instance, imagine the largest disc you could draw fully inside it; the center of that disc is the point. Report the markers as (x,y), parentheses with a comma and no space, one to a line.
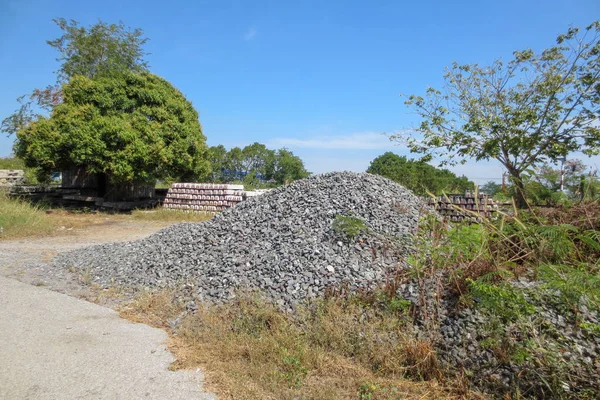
(321,78)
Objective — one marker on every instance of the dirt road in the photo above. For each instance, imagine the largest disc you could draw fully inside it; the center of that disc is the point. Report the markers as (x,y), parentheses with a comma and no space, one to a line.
(26,259)
(57,346)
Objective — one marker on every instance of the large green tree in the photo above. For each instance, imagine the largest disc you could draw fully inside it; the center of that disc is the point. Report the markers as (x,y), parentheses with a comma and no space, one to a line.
(256,159)
(536,108)
(132,127)
(234,164)
(98,51)
(418,176)
(255,164)
(217,156)
(286,167)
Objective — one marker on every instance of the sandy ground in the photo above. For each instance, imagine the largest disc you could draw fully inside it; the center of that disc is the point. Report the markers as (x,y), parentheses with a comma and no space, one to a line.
(26,259)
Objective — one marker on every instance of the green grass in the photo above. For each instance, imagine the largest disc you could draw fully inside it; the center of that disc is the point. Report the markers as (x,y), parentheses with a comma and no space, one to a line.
(11,163)
(19,219)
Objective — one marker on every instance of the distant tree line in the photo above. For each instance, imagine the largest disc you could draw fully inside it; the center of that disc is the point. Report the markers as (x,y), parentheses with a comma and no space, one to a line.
(419,176)
(541,185)
(255,165)
(109,114)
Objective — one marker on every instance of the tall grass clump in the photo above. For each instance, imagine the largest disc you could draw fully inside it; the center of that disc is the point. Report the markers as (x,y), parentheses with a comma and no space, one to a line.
(19,218)
(520,272)
(335,348)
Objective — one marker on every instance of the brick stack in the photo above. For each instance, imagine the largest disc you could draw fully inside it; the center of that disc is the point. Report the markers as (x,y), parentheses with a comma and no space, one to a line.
(11,177)
(475,209)
(203,197)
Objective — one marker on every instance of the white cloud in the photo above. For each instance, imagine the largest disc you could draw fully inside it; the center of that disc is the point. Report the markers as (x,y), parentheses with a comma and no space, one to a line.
(356,141)
(480,172)
(250,34)
(335,162)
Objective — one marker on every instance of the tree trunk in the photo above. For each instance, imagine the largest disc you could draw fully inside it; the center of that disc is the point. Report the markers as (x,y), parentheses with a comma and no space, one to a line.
(520,199)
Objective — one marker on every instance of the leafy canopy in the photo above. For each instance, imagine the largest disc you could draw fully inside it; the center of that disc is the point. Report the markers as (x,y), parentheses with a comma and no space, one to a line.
(287,167)
(101,50)
(418,176)
(254,164)
(536,108)
(133,127)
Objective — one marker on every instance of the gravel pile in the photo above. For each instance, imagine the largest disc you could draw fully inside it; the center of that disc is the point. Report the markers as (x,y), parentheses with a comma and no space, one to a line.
(545,355)
(548,354)
(282,243)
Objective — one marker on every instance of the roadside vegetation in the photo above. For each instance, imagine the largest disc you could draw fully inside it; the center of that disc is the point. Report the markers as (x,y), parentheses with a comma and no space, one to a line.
(338,348)
(22,219)
(419,176)
(379,345)
(13,162)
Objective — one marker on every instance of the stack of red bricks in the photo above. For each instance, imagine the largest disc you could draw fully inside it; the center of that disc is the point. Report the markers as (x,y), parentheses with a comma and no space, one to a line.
(457,208)
(203,197)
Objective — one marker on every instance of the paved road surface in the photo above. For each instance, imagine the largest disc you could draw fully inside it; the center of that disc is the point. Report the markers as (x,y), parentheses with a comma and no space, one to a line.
(53,346)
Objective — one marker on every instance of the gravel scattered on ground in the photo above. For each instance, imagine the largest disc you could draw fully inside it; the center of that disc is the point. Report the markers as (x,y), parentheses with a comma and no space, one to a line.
(282,243)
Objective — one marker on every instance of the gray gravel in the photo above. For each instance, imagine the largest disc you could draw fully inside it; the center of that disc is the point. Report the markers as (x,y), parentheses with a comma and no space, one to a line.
(282,243)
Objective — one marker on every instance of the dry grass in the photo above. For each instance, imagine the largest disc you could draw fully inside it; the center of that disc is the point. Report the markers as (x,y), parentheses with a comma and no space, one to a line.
(337,349)
(21,219)
(163,215)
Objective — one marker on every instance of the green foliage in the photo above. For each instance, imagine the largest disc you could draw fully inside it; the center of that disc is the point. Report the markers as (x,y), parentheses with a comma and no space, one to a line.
(575,284)
(234,164)
(293,370)
(503,300)
(102,50)
(552,243)
(11,163)
(591,238)
(394,305)
(491,188)
(255,165)
(466,241)
(132,127)
(535,108)
(256,158)
(541,185)
(591,328)
(550,176)
(98,51)
(217,156)
(20,219)
(17,163)
(418,176)
(286,167)
(366,391)
(349,226)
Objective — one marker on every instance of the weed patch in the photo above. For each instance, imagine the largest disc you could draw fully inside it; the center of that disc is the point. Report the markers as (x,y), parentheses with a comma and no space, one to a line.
(20,219)
(348,226)
(332,349)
